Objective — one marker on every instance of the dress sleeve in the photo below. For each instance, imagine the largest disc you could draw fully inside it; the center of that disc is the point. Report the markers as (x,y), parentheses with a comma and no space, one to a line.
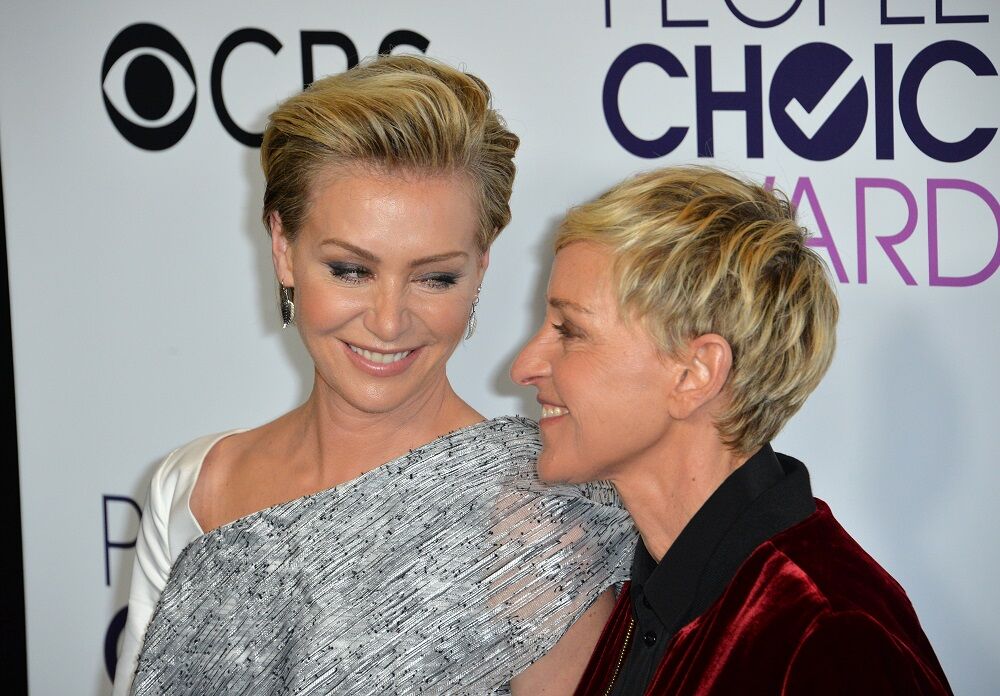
(852,653)
(149,575)
(553,551)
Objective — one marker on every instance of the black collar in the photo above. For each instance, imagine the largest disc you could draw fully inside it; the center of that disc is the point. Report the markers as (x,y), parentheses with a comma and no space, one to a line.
(766,495)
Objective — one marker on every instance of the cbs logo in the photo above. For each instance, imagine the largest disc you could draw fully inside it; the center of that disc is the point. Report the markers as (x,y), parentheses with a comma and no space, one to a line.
(149,86)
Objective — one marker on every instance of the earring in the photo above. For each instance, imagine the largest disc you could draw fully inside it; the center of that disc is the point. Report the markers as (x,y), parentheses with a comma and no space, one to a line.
(286,296)
(472,315)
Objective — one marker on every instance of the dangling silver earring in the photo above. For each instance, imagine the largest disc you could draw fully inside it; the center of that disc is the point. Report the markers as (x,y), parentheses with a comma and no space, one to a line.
(286,297)
(472,315)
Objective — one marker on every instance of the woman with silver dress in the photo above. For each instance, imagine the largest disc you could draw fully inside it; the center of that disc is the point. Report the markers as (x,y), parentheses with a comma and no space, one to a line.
(383,537)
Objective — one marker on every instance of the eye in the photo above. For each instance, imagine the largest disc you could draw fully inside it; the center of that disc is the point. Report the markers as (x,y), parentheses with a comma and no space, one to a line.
(149,88)
(566,330)
(439,281)
(349,273)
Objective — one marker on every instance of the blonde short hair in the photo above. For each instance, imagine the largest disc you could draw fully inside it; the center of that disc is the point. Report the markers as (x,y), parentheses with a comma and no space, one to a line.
(408,114)
(697,251)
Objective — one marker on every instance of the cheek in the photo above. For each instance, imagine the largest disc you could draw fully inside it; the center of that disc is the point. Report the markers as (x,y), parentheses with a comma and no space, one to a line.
(576,446)
(593,387)
(325,308)
(618,406)
(445,316)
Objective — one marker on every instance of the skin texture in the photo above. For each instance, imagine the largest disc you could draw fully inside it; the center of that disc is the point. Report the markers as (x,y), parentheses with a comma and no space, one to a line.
(606,376)
(625,411)
(559,671)
(361,274)
(371,268)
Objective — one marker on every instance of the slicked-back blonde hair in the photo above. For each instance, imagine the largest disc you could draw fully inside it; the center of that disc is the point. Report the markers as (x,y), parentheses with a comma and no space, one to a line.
(405,114)
(697,251)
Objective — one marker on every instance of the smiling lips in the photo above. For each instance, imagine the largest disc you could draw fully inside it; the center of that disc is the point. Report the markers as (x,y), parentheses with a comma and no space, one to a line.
(378,364)
(383,358)
(550,411)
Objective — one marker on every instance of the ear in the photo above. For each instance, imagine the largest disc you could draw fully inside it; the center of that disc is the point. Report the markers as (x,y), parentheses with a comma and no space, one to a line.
(701,375)
(281,251)
(484,263)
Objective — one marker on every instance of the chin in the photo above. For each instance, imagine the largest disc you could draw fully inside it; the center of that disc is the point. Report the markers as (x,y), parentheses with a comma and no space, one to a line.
(552,470)
(571,468)
(377,403)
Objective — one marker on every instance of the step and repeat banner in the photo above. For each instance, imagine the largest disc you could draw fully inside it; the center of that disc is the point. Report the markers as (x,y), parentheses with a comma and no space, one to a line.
(143,297)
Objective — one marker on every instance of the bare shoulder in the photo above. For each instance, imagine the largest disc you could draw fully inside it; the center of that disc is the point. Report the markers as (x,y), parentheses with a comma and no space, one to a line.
(233,466)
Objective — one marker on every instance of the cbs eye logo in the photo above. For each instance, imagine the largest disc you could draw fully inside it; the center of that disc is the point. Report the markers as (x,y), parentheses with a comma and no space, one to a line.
(149,88)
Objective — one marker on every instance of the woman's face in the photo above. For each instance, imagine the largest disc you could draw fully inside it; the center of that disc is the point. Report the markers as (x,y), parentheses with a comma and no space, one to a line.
(385,270)
(602,383)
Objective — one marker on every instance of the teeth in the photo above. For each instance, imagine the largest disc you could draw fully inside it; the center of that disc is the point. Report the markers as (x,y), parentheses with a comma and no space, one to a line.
(553,411)
(383,358)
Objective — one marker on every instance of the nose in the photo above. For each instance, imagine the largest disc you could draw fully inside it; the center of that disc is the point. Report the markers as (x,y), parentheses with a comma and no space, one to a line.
(388,318)
(531,364)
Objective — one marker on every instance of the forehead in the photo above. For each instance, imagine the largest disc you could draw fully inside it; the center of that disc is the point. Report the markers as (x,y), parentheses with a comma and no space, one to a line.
(582,274)
(401,212)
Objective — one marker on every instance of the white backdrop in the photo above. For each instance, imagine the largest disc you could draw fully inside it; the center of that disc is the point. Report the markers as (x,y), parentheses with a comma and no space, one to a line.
(142,294)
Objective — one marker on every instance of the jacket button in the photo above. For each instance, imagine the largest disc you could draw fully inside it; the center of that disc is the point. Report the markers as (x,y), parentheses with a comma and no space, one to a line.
(649,638)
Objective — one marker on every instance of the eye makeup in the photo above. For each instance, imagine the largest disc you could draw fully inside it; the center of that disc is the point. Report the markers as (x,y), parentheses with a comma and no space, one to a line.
(351,273)
(354,274)
(439,281)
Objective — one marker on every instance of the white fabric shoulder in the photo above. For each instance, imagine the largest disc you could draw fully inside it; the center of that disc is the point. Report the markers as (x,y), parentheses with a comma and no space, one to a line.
(167,527)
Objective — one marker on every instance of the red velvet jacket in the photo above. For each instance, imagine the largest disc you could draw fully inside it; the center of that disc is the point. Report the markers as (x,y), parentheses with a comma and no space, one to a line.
(809,613)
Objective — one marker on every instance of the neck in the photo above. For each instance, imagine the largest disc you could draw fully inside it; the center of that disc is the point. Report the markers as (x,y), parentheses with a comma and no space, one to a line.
(665,489)
(343,442)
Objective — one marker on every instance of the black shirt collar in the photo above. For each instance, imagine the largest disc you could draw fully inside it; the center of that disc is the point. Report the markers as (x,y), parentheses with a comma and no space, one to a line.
(766,495)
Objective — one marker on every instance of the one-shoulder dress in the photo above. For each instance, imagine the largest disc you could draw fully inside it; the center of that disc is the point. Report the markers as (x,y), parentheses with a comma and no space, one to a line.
(448,570)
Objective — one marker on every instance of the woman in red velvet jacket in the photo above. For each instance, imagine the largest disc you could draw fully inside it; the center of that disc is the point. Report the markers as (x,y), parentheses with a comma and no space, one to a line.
(687,322)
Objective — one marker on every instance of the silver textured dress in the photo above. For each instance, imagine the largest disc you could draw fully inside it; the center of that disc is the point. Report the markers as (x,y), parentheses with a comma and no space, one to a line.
(446,571)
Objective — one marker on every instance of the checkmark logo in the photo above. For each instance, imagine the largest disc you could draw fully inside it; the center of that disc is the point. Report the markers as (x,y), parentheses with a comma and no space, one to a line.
(809,121)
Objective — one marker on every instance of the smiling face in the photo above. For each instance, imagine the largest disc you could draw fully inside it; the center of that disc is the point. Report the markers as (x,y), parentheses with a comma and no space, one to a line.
(385,270)
(602,383)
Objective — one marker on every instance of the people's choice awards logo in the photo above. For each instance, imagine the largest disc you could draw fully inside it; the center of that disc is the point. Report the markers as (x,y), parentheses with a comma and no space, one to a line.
(818,101)
(149,86)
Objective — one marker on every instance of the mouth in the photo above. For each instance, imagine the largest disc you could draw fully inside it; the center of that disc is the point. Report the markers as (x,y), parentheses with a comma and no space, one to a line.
(553,411)
(379,358)
(381,364)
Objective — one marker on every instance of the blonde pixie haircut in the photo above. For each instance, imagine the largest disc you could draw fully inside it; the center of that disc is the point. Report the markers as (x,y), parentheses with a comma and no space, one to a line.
(398,114)
(696,251)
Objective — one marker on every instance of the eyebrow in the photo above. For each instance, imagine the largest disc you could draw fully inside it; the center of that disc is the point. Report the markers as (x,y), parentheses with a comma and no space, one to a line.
(368,256)
(560,303)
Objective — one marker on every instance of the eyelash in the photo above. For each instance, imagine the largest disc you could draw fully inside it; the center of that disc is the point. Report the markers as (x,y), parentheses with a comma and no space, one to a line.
(440,281)
(355,275)
(349,273)
(565,331)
